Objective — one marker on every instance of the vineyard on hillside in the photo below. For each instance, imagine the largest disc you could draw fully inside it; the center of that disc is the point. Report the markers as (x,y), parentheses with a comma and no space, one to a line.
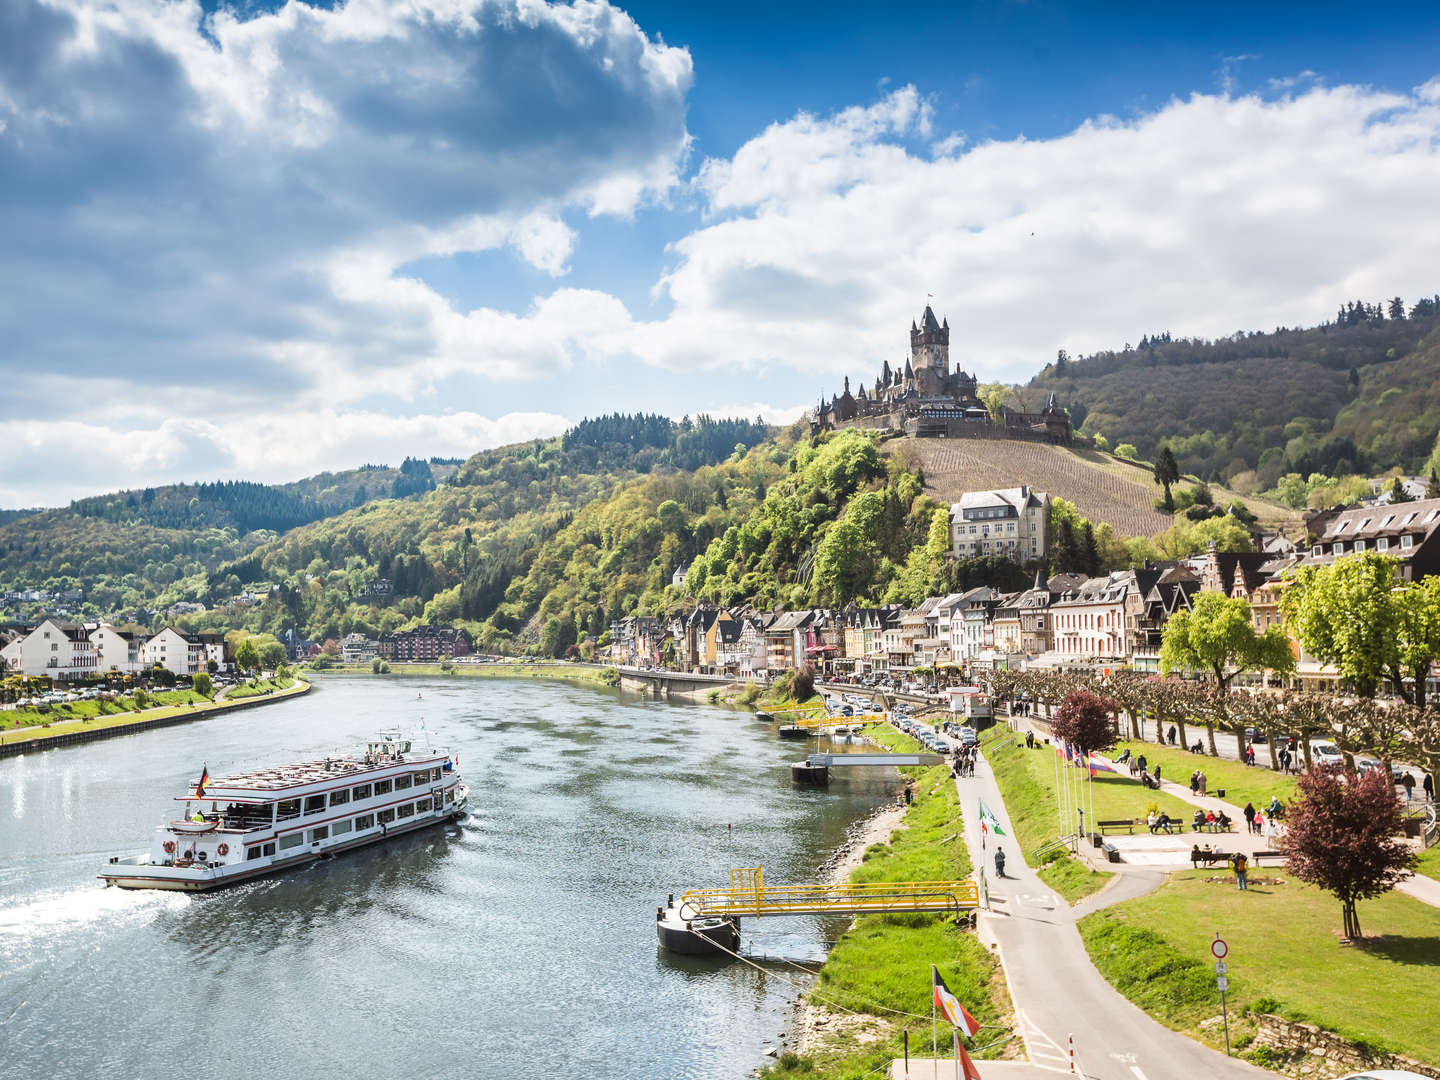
(955,466)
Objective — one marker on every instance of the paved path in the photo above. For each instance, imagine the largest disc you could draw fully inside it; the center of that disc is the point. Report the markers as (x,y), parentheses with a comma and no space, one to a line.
(1055,988)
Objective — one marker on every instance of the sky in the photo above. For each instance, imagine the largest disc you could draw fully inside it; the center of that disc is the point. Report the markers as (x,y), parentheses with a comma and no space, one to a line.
(259,240)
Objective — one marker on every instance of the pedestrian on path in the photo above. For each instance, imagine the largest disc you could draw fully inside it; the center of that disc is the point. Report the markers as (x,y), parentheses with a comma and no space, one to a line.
(1203,781)
(1171,735)
(1272,829)
(1408,783)
(1250,817)
(1240,865)
(1428,786)
(1195,782)
(1157,776)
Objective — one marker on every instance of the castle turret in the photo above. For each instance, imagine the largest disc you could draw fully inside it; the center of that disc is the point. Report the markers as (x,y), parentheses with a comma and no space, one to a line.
(930,344)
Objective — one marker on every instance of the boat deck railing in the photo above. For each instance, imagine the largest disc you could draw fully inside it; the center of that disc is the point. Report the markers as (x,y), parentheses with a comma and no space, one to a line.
(748,895)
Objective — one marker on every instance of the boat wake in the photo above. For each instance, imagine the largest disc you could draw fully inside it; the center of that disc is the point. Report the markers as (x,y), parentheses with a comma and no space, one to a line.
(80,907)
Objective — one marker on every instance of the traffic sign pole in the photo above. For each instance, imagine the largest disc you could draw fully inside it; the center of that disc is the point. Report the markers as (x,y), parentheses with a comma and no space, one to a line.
(1220,950)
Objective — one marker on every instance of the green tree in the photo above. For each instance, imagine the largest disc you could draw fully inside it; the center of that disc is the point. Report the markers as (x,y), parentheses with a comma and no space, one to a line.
(247,656)
(203,686)
(1432,487)
(1347,615)
(1398,494)
(1126,450)
(994,395)
(272,655)
(1167,473)
(1218,636)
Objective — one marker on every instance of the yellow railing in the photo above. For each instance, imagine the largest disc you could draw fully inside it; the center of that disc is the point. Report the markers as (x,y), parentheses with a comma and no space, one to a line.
(749,895)
(814,722)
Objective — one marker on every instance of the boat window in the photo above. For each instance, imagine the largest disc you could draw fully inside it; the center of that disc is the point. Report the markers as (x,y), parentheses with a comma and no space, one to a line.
(407,810)
(422,806)
(382,787)
(314,804)
(402,782)
(422,778)
(289,840)
(450,796)
(287,808)
(385,816)
(361,792)
(320,832)
(435,774)
(269,849)
(340,828)
(364,821)
(339,798)
(252,853)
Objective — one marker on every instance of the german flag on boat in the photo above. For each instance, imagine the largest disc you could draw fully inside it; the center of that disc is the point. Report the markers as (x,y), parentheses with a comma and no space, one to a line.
(950,1007)
(204,779)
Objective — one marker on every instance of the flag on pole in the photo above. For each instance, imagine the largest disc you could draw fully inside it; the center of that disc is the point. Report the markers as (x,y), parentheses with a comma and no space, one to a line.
(950,1007)
(1096,765)
(204,779)
(968,1069)
(989,820)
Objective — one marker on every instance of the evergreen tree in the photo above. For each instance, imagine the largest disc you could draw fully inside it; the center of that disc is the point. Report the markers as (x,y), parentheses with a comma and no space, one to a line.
(1432,489)
(1397,308)
(1167,472)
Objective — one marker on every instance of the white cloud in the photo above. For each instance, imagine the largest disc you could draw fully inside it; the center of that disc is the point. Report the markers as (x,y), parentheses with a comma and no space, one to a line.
(49,463)
(1205,216)
(236,193)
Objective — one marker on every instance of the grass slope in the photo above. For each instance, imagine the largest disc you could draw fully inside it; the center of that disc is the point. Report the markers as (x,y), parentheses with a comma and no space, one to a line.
(880,969)
(1242,783)
(1284,957)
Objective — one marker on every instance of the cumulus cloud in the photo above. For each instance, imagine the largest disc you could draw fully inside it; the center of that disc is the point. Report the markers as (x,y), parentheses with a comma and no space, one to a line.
(229,197)
(50,462)
(1208,215)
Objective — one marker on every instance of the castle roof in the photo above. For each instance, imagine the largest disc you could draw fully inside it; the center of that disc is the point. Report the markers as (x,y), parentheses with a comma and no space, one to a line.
(927,321)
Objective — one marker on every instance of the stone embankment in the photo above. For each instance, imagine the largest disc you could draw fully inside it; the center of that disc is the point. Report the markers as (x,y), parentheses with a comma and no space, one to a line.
(1304,1050)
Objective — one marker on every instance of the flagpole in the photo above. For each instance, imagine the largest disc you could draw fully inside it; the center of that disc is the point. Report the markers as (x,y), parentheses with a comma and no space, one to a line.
(1059,809)
(934,1026)
(957,1054)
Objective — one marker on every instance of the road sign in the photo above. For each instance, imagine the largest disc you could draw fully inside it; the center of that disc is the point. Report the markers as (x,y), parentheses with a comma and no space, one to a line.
(1219,949)
(1223,982)
(1221,968)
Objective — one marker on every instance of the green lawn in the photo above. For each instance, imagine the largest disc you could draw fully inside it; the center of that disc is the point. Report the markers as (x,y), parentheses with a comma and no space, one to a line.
(1284,957)
(1429,864)
(258,687)
(1242,783)
(883,962)
(1027,781)
(165,703)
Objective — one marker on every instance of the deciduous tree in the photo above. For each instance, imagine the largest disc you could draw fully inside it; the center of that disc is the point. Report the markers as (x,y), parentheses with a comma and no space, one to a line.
(1218,636)
(1343,834)
(247,656)
(1086,721)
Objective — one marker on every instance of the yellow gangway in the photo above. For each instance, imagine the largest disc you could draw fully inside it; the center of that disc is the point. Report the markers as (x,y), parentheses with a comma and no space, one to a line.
(815,722)
(749,895)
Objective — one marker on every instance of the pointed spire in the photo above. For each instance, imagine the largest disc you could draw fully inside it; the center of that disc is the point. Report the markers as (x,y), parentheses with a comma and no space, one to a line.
(1038,583)
(927,321)
(847,385)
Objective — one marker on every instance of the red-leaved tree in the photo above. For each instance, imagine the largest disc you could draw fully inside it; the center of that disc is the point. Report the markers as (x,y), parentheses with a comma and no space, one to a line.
(1086,721)
(1343,834)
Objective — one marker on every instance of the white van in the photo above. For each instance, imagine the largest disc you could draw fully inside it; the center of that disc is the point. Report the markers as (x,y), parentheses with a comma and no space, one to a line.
(1325,753)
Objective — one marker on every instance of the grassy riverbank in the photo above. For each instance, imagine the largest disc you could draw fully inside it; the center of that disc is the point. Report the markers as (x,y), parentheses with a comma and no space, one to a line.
(1026,779)
(879,971)
(166,703)
(259,688)
(601,676)
(1284,958)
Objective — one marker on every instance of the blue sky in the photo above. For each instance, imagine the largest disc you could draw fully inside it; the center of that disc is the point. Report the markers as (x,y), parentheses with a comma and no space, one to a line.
(264,240)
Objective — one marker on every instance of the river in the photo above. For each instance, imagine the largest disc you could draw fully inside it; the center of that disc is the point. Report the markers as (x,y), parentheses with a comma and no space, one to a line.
(520,943)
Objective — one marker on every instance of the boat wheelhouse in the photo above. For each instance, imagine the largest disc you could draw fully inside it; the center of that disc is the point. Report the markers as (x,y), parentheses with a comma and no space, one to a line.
(236,828)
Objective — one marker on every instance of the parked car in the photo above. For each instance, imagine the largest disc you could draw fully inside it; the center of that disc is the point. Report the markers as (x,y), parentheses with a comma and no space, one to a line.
(968,737)
(1326,753)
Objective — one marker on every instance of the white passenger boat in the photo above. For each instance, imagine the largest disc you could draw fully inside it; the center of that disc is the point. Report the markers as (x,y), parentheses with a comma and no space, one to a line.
(236,828)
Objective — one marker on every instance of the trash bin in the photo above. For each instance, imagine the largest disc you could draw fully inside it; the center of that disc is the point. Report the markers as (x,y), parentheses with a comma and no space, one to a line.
(1097,840)
(1219,792)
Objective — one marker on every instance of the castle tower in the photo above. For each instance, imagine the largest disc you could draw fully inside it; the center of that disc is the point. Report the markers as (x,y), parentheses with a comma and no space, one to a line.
(930,344)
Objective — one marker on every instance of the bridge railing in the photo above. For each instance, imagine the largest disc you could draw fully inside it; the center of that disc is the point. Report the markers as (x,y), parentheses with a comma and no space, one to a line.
(759,899)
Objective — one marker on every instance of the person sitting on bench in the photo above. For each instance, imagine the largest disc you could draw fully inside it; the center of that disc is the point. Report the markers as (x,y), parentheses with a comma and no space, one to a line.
(1199,821)
(1164,822)
(1223,822)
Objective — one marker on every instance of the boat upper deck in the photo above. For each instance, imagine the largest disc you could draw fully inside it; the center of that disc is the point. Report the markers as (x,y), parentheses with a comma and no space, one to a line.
(284,777)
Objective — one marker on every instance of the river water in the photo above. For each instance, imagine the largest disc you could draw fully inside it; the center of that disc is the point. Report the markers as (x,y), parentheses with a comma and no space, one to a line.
(520,943)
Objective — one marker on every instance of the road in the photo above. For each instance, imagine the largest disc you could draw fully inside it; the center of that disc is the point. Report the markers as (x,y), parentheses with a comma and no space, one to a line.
(1056,990)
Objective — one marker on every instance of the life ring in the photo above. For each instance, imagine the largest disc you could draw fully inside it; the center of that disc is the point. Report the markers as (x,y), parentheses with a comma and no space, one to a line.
(223,849)
(169,846)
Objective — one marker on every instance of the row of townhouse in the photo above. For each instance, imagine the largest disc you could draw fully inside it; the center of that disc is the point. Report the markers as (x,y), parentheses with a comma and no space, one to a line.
(1112,620)
(70,651)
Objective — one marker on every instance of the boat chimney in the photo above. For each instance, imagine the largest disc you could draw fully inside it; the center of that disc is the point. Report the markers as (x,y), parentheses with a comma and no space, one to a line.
(670,902)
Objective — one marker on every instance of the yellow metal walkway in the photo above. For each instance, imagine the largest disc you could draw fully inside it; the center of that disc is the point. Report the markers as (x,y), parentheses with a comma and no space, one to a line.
(749,895)
(813,723)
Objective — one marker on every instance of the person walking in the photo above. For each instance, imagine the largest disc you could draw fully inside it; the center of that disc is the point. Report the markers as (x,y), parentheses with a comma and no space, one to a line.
(1141,762)
(1408,783)
(1195,782)
(1241,866)
(1171,735)
(1157,776)
(1250,817)
(1203,781)
(1428,786)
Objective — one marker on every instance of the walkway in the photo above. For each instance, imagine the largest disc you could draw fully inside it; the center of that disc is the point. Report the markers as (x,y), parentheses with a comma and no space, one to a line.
(1056,990)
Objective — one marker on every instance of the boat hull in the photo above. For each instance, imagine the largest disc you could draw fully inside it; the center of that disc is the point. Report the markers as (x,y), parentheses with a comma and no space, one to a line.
(714,937)
(187,879)
(793,731)
(807,775)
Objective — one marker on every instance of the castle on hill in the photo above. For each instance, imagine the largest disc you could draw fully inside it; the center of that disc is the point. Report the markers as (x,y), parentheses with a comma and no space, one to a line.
(927,399)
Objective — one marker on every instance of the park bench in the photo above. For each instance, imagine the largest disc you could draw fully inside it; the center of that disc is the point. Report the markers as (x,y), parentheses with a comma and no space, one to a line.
(1266,855)
(1111,851)
(1209,858)
(1128,824)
